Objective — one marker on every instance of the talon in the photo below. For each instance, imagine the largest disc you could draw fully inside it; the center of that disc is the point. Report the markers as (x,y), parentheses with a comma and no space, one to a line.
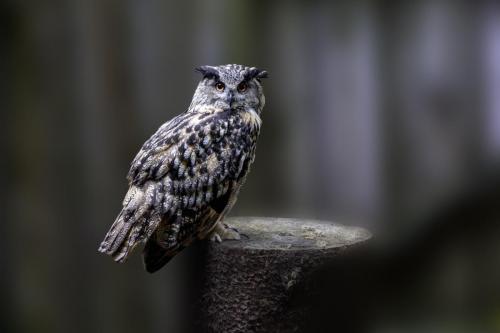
(233,229)
(215,238)
(224,232)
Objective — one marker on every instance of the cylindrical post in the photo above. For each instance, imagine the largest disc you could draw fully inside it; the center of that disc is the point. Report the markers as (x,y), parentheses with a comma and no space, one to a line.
(249,283)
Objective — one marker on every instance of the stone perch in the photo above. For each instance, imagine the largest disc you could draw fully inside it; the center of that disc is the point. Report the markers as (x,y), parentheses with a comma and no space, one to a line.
(250,285)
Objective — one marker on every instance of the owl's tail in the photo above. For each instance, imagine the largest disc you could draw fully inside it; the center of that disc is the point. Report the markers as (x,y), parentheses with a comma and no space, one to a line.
(135,223)
(126,232)
(120,238)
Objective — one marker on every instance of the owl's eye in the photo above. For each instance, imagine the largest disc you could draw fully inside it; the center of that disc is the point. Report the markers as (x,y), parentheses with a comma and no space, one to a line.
(220,86)
(242,87)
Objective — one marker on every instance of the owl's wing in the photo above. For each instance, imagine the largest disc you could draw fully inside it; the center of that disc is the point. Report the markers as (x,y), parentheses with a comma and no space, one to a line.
(155,150)
(190,161)
(184,176)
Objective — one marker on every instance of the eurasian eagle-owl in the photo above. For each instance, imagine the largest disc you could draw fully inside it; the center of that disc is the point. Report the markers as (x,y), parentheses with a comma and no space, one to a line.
(186,177)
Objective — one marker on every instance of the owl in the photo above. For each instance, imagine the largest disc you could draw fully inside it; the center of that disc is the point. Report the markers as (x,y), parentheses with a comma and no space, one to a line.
(187,175)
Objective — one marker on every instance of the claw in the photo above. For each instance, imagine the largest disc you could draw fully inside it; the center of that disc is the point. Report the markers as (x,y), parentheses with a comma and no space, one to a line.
(215,237)
(223,231)
(228,227)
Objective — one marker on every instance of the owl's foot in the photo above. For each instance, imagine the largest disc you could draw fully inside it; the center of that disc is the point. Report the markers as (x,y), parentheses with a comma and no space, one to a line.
(223,231)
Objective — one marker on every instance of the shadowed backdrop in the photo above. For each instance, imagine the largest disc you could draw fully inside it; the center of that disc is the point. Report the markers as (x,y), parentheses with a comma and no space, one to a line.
(379,114)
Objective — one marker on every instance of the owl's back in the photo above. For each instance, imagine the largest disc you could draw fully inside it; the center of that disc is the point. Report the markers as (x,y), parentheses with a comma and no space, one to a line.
(183,180)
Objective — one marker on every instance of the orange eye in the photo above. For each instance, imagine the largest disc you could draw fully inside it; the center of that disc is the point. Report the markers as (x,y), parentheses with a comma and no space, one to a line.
(242,87)
(220,86)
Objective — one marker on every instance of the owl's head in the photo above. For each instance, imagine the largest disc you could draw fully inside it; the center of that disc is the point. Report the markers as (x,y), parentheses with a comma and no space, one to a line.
(233,87)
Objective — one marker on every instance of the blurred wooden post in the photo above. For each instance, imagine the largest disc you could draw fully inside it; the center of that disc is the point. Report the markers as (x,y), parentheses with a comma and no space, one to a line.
(250,283)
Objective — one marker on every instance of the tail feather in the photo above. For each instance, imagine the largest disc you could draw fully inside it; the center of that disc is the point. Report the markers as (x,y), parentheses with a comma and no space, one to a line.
(128,243)
(136,222)
(116,234)
(125,233)
(155,256)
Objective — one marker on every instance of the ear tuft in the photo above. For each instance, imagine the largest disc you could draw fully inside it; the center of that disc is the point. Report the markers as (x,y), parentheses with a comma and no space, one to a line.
(207,71)
(263,75)
(255,73)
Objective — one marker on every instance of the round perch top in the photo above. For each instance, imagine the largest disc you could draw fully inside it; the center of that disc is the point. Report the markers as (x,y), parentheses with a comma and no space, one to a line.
(262,282)
(270,233)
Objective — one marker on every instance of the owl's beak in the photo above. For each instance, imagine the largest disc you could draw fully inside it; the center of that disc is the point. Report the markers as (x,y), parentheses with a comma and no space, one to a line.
(230,98)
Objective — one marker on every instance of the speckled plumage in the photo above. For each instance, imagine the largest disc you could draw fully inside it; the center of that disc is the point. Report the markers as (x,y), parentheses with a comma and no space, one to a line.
(186,177)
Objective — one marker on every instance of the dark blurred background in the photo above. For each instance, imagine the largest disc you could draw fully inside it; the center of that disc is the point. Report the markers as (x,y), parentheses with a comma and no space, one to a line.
(379,114)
